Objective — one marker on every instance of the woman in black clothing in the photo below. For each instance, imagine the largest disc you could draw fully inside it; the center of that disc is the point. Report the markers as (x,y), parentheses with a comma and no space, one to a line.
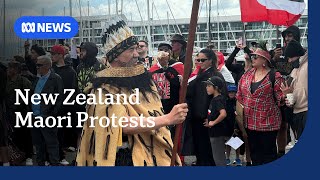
(4,153)
(237,69)
(198,103)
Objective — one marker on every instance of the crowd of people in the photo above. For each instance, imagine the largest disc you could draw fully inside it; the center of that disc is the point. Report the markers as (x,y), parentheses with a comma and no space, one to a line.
(217,87)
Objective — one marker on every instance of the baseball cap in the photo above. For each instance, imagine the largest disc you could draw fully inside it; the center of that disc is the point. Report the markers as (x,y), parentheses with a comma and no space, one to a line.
(58,49)
(215,81)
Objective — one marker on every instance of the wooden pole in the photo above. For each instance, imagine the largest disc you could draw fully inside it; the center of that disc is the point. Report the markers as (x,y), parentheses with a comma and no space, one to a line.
(4,30)
(209,24)
(187,71)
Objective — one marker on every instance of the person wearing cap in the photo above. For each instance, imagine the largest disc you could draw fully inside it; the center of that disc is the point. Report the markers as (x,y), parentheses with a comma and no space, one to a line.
(231,125)
(179,46)
(198,102)
(298,57)
(127,145)
(21,136)
(88,67)
(215,120)
(68,75)
(167,75)
(261,107)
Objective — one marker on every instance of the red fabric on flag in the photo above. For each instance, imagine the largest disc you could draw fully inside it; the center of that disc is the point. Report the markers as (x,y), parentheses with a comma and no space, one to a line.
(279,17)
(253,11)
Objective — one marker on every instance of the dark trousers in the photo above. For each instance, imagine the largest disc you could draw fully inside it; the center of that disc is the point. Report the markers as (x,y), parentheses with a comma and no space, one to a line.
(299,122)
(262,145)
(23,140)
(46,140)
(202,145)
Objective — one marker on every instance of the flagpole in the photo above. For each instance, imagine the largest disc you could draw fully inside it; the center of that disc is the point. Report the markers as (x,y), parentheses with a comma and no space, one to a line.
(277,30)
(209,24)
(244,40)
(4,30)
(187,71)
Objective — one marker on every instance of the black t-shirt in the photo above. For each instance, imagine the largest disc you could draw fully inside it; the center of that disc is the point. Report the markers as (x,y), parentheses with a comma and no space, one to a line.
(230,120)
(168,84)
(217,103)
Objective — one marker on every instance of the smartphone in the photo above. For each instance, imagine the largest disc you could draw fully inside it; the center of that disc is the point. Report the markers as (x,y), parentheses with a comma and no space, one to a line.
(288,79)
(278,45)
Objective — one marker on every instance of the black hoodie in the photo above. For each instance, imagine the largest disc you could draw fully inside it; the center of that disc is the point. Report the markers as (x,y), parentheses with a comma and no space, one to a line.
(88,66)
(295,32)
(282,64)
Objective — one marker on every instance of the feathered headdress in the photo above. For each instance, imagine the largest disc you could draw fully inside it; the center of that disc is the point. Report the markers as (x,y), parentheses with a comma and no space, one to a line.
(117,38)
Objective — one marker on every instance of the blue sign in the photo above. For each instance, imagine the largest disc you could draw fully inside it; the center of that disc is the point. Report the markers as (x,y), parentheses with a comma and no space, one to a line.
(46,27)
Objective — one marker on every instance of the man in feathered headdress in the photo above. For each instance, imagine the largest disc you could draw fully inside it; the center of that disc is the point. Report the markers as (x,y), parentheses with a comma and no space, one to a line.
(134,143)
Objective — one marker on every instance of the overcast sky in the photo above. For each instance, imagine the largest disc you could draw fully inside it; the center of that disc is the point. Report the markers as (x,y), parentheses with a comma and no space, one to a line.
(160,8)
(180,8)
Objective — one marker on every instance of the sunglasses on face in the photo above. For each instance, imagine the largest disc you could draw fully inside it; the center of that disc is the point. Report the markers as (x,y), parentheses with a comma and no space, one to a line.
(201,60)
(254,56)
(39,65)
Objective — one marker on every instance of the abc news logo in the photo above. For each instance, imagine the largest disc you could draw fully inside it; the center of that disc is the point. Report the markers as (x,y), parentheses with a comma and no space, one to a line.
(46,27)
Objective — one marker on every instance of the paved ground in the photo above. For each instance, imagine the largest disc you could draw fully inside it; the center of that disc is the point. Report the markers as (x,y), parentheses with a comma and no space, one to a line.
(70,156)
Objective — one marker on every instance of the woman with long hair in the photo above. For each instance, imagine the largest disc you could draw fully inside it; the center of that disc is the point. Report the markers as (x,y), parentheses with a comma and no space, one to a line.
(198,103)
(261,99)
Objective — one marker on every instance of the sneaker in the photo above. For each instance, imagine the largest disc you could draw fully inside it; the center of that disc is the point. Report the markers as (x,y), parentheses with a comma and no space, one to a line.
(64,162)
(228,162)
(71,149)
(29,162)
(290,145)
(237,162)
(194,163)
(46,163)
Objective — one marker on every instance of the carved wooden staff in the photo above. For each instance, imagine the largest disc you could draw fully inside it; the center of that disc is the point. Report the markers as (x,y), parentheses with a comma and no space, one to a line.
(186,73)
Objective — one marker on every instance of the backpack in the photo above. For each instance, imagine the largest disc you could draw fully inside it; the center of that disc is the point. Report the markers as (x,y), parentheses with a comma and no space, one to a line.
(272,77)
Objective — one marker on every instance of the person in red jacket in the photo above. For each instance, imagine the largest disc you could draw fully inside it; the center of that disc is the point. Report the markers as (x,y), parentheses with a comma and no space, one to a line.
(261,101)
(167,75)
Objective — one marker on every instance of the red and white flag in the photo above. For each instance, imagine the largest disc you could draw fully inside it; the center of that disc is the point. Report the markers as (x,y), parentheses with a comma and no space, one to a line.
(276,12)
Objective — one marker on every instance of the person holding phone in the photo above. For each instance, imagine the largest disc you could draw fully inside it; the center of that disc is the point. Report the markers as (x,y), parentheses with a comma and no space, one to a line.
(298,57)
(238,69)
(280,62)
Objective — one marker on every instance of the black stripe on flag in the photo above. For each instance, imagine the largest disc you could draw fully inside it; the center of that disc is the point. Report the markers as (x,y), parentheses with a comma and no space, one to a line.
(297,0)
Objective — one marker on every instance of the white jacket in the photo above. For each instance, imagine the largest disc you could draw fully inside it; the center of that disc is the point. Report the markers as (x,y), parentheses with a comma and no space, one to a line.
(300,85)
(227,75)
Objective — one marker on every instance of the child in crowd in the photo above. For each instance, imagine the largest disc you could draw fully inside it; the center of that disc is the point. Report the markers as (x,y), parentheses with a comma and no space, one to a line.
(231,125)
(216,115)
